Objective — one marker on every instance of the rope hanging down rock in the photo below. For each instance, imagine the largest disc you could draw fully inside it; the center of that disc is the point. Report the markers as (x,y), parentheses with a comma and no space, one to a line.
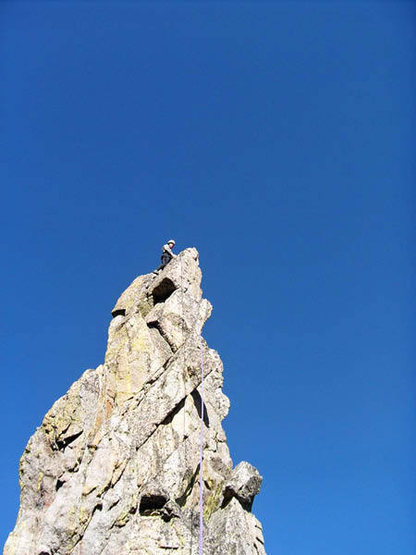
(201,447)
(201,456)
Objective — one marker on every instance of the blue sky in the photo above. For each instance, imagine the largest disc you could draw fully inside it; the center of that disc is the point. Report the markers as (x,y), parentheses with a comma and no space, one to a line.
(278,138)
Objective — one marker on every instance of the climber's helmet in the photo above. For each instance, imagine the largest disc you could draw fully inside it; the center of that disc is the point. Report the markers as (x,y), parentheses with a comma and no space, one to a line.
(171,242)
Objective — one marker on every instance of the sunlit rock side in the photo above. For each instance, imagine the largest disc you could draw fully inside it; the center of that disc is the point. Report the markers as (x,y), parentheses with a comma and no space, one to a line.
(114,467)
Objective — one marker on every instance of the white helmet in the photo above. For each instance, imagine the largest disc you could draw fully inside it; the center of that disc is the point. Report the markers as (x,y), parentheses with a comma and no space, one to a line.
(171,241)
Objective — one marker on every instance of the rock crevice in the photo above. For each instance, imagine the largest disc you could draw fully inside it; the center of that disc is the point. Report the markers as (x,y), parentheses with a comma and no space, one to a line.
(114,466)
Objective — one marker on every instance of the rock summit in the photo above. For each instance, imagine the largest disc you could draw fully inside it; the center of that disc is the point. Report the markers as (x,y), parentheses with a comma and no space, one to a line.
(114,468)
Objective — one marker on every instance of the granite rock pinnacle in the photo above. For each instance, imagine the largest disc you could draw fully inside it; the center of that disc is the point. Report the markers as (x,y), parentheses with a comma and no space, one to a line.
(114,467)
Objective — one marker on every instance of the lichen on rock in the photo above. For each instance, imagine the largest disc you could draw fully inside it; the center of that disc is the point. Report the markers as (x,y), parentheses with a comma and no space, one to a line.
(114,467)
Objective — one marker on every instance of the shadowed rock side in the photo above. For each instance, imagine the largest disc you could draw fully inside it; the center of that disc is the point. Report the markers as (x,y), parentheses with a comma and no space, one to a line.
(114,467)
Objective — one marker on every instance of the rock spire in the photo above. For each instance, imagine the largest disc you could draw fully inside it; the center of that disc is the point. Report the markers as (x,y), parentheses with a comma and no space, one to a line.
(114,467)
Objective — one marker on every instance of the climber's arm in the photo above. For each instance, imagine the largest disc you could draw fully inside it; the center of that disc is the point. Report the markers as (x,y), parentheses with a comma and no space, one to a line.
(167,249)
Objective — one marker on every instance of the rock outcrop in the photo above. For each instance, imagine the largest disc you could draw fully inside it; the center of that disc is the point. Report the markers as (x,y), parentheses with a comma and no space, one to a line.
(114,467)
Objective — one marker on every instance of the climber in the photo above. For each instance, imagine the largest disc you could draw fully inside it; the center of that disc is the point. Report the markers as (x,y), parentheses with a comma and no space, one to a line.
(167,255)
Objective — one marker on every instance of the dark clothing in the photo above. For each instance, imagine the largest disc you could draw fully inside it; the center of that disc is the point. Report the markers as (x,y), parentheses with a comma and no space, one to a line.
(165,258)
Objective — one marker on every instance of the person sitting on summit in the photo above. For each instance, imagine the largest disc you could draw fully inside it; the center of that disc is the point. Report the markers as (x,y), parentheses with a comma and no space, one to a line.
(167,254)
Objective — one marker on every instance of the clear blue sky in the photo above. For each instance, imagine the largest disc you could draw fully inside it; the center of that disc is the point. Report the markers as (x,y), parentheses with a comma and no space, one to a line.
(278,138)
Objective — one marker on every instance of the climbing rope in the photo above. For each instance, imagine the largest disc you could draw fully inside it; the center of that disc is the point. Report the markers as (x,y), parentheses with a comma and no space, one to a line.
(201,457)
(201,446)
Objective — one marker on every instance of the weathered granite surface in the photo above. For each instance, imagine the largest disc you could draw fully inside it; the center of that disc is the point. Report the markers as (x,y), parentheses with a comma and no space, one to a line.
(114,467)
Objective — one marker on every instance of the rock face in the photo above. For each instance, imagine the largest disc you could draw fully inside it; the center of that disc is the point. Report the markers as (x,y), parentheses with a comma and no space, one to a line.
(114,468)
